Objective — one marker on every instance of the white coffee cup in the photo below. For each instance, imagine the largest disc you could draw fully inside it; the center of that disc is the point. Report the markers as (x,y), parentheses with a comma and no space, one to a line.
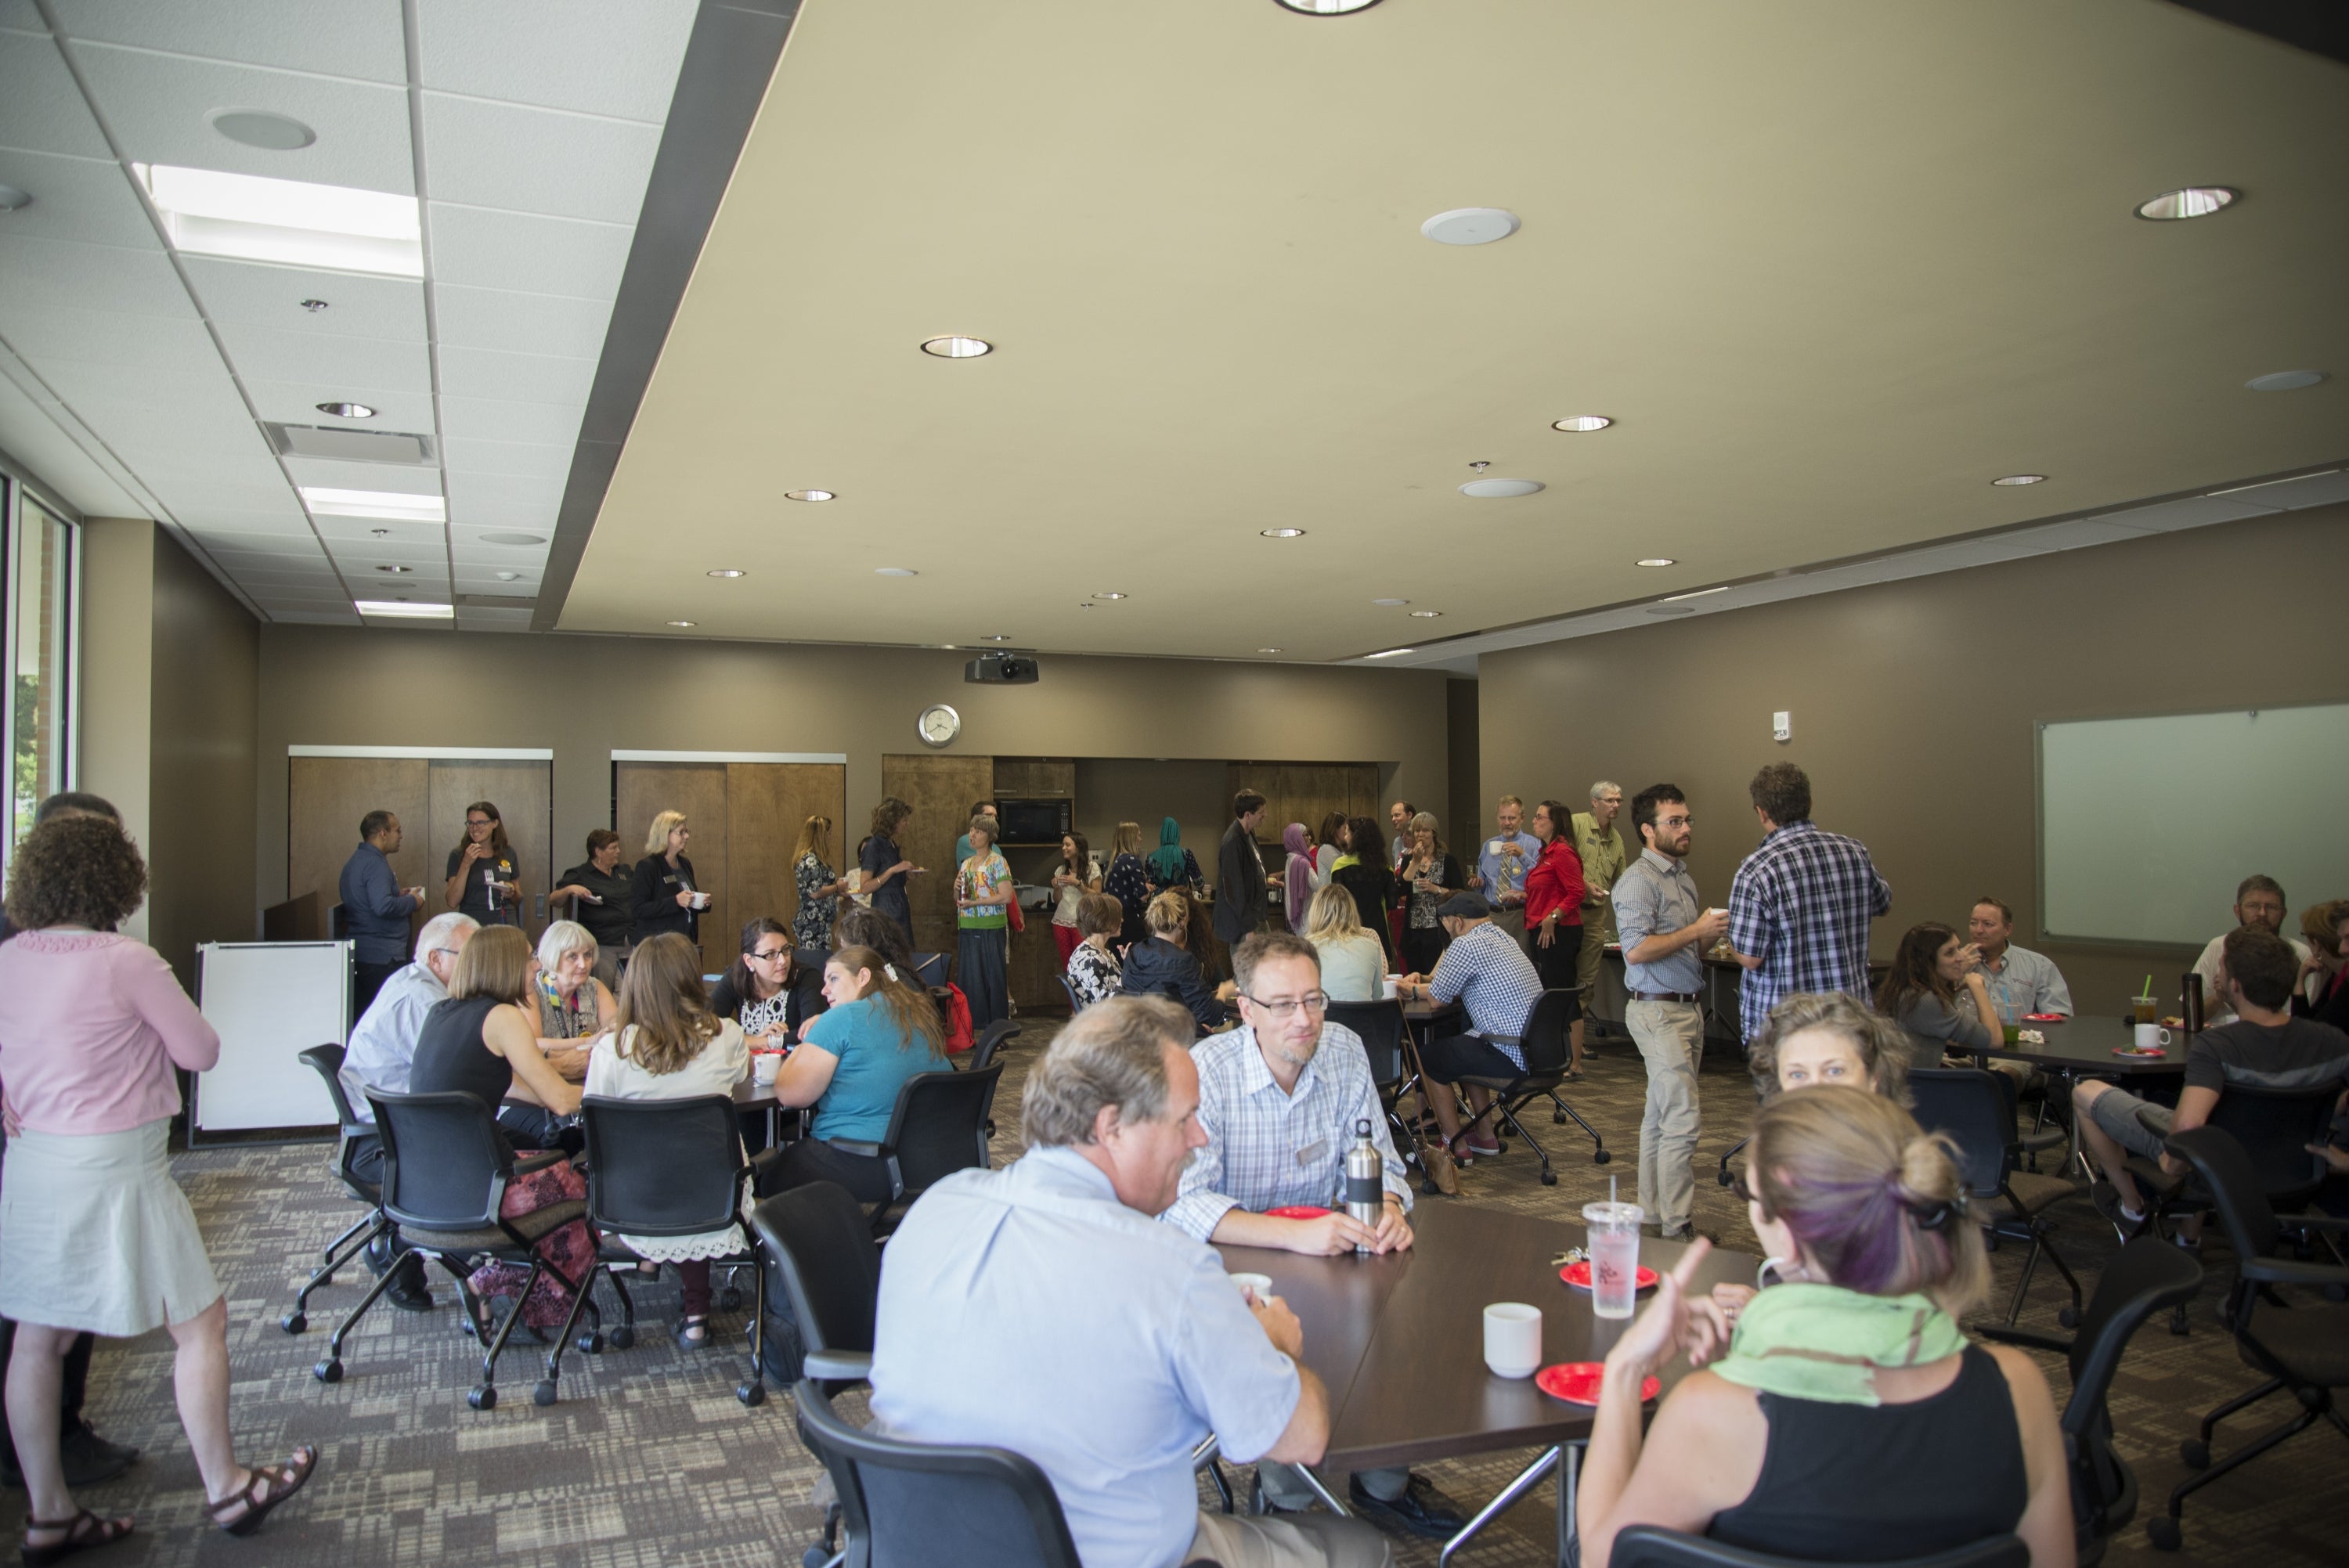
(1513,1339)
(1390,985)
(2153,1038)
(701,900)
(1260,1284)
(764,1065)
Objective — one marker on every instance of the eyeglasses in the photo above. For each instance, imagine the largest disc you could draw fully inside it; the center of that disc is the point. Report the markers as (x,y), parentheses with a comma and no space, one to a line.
(767,957)
(1316,1002)
(479,821)
(451,951)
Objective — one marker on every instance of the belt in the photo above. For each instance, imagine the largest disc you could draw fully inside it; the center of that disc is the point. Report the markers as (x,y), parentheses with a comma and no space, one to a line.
(1690,998)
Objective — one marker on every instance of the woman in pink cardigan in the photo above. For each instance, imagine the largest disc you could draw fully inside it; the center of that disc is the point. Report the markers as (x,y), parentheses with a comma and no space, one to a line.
(94,1233)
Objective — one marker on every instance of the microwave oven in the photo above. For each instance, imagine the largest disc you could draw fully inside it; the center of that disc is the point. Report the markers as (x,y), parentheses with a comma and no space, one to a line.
(1035,822)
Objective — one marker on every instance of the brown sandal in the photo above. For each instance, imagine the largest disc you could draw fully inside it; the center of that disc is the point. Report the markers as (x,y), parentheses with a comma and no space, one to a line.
(83,1531)
(265,1491)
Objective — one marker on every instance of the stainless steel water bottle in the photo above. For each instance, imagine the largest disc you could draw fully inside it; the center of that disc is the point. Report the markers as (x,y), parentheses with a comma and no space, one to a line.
(1365,1184)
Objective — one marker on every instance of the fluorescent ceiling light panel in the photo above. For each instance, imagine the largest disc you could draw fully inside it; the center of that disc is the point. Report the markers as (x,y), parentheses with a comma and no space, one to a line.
(1699,593)
(322,501)
(1390,653)
(209,214)
(408,608)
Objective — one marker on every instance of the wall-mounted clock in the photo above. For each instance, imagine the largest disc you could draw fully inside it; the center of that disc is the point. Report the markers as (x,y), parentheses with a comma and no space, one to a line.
(938,724)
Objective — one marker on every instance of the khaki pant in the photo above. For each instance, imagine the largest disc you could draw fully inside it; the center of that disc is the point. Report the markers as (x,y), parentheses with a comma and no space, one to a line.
(1670,1037)
(1296,1541)
(1596,933)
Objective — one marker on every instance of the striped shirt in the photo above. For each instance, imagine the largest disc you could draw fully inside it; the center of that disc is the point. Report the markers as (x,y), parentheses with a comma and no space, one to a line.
(1801,903)
(1491,974)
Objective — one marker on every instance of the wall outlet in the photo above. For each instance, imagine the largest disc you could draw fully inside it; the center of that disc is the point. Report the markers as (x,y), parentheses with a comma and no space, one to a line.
(1782,726)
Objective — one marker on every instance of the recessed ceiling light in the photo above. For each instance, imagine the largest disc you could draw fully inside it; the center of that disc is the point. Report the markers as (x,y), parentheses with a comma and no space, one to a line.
(1390,653)
(1391,604)
(1697,593)
(13,200)
(513,539)
(680,623)
(259,128)
(957,347)
(726,571)
(209,214)
(406,607)
(380,532)
(1325,8)
(2011,481)
(1282,532)
(1499,490)
(992,637)
(348,410)
(2192,201)
(2286,381)
(1425,614)
(1106,595)
(399,569)
(509,576)
(1268,650)
(807,495)
(1655,560)
(313,305)
(1470,226)
(324,501)
(1581,422)
(894,571)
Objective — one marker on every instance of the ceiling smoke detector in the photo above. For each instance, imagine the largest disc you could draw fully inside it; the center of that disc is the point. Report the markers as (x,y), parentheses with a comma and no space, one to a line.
(1470,226)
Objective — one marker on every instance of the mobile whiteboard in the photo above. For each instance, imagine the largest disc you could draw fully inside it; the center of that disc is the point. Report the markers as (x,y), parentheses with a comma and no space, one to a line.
(270,1001)
(2146,825)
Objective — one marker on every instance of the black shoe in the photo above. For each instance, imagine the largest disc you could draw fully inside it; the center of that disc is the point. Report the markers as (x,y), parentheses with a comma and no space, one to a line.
(1421,1510)
(409,1292)
(2107,1199)
(90,1459)
(1690,1234)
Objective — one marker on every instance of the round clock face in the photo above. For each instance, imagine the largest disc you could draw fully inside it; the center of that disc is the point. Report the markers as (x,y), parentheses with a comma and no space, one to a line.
(939,724)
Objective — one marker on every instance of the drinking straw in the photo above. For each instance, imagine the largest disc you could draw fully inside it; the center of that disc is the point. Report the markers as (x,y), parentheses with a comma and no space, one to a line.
(1611,1190)
(2148,986)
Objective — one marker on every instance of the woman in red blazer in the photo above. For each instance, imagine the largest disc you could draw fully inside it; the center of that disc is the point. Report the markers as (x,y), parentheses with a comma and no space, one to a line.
(1554,910)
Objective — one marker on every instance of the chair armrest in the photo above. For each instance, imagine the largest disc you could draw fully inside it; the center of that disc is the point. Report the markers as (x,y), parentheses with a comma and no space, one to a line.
(2313,1222)
(2290,1271)
(2053,1137)
(539,1162)
(763,1161)
(857,1146)
(839,1366)
(2030,1337)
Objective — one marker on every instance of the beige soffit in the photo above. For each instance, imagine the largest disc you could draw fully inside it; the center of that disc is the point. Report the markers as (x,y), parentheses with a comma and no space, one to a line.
(1832,268)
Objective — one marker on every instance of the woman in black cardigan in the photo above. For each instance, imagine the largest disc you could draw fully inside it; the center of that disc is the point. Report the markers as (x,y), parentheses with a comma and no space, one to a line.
(665,896)
(1362,871)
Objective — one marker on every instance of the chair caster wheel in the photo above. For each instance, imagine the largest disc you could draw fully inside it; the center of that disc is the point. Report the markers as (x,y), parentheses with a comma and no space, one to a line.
(623,1337)
(544,1393)
(482,1398)
(2163,1534)
(2069,1318)
(1557,1119)
(1549,1178)
(590,1344)
(2196,1453)
(1602,1158)
(729,1300)
(327,1371)
(294,1323)
(752,1394)
(814,1557)
(1429,1187)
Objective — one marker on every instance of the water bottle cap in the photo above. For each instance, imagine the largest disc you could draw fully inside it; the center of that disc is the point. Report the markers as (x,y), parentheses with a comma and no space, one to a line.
(1361,1127)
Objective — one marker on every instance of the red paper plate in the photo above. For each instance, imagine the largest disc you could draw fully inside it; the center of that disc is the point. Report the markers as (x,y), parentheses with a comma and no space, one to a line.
(1295,1211)
(1578,1276)
(1576,1382)
(2133,1051)
(2045,1018)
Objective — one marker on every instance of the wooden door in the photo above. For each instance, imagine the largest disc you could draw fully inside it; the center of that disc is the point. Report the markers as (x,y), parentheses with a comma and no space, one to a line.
(940,789)
(767,804)
(523,793)
(641,791)
(327,798)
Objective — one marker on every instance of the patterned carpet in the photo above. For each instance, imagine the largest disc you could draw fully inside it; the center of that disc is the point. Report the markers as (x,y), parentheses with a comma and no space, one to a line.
(648,1459)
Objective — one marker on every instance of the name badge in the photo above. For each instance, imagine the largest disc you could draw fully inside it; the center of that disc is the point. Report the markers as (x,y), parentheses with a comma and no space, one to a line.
(1311,1154)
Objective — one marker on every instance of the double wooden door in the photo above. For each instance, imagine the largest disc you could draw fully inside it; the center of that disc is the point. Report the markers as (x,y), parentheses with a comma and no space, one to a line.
(745,818)
(329,796)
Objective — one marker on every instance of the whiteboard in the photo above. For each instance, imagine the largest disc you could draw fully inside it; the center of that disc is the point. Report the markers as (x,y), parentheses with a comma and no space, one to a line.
(271,1001)
(2146,825)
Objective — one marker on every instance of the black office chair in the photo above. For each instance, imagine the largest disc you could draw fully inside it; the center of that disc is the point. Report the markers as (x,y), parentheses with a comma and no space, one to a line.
(818,1246)
(990,1040)
(669,1167)
(938,1127)
(1380,1027)
(1976,1107)
(2301,1348)
(1070,991)
(445,1171)
(2149,1275)
(2274,1128)
(1652,1546)
(931,968)
(327,1061)
(1547,1056)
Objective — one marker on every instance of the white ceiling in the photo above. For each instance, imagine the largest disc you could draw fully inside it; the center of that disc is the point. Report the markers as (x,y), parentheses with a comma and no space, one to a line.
(133,379)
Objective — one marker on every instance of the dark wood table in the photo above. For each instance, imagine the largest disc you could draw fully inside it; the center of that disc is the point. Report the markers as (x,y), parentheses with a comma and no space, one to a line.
(1399,1341)
(2075,1048)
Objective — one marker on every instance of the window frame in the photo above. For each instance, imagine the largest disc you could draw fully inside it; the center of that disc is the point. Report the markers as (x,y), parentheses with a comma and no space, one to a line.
(17,487)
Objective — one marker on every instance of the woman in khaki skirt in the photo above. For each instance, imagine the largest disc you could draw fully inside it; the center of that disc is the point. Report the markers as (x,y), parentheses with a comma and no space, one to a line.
(94,1233)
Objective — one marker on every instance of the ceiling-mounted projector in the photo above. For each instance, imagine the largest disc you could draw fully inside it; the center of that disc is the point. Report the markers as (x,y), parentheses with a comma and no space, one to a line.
(1001,669)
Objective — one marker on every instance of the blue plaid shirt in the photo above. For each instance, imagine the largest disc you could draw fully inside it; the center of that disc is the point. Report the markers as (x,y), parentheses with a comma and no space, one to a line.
(1801,903)
(1489,972)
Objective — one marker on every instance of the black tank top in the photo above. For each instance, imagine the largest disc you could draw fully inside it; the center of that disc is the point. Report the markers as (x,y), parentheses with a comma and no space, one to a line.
(449,1054)
(1866,1483)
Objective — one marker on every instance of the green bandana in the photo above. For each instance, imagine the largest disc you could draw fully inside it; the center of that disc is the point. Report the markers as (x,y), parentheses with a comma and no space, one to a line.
(1823,1342)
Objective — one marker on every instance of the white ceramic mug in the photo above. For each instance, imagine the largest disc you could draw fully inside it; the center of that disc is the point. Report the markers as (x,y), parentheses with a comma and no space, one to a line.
(1513,1339)
(701,900)
(1390,986)
(2153,1038)
(1260,1284)
(764,1065)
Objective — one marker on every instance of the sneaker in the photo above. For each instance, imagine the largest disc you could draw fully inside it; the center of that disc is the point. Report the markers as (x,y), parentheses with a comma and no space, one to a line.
(1689,1235)
(1487,1150)
(1422,1509)
(2107,1199)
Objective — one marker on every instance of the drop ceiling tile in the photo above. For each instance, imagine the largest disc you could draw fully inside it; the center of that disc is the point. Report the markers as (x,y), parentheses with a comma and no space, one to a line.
(519,323)
(603,56)
(395,477)
(361,38)
(46,336)
(320,587)
(518,159)
(280,354)
(374,549)
(357,306)
(476,247)
(475,580)
(41,109)
(79,200)
(495,419)
(197,392)
(157,106)
(41,444)
(20,15)
(430,534)
(484,512)
(241,478)
(472,456)
(471,546)
(517,377)
(507,621)
(245,530)
(46,272)
(243,508)
(469,489)
(297,403)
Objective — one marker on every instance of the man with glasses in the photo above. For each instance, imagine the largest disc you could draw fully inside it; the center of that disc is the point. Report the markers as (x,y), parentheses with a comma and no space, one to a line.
(1279,1098)
(2259,906)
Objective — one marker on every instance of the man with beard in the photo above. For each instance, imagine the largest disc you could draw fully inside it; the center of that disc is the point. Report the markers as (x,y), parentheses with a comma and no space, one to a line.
(2259,906)
(1279,1098)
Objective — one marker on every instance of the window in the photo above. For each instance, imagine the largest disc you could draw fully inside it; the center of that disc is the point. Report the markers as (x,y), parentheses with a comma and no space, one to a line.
(40,627)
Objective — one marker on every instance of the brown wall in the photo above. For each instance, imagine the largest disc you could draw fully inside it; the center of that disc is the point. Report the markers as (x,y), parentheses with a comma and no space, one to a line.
(583,697)
(1915,704)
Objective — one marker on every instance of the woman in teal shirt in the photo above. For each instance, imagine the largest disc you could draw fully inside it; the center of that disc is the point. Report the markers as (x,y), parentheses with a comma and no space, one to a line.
(881,1029)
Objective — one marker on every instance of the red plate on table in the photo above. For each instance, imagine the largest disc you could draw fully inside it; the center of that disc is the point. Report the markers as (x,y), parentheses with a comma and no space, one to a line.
(1576,1382)
(1577,1275)
(1295,1211)
(2133,1051)
(2045,1018)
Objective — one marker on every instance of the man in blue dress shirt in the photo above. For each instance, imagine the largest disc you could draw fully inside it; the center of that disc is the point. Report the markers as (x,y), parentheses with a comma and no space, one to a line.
(376,908)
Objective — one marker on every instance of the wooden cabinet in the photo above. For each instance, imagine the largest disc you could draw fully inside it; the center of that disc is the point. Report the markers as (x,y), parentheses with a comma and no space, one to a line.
(1036,777)
(327,795)
(940,789)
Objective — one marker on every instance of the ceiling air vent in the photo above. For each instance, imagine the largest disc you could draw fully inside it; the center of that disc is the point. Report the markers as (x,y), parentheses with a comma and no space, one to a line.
(346,445)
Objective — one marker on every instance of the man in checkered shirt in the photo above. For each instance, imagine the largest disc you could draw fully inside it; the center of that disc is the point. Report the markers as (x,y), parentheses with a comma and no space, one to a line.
(1799,906)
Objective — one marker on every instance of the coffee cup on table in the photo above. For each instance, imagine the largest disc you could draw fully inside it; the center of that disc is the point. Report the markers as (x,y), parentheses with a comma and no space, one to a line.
(763,1067)
(2153,1038)
(1513,1339)
(1390,987)
(1259,1284)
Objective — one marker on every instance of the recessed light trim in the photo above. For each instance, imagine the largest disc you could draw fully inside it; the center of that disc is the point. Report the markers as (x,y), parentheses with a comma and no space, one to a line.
(2014,481)
(954,346)
(1694,594)
(1425,614)
(894,571)
(348,410)
(510,538)
(1577,423)
(681,624)
(207,213)
(2188,201)
(1325,8)
(509,576)
(1109,595)
(809,495)
(406,609)
(259,128)
(1268,650)
(726,571)
(326,501)
(2284,381)
(1470,226)
(1655,560)
(1282,532)
(1499,490)
(991,637)
(1391,604)
(1390,653)
(399,570)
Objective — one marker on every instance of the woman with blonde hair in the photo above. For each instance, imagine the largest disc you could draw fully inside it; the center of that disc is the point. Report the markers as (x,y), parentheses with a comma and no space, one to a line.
(820,889)
(666,1044)
(880,1030)
(667,898)
(1128,882)
(1165,964)
(1819,1405)
(1354,965)
(1816,1038)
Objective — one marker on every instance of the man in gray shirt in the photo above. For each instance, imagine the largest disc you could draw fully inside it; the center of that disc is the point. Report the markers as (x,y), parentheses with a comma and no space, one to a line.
(2020,982)
(1664,931)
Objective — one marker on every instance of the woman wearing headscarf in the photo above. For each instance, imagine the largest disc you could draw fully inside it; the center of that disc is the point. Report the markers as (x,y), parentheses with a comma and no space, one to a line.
(1296,874)
(1170,865)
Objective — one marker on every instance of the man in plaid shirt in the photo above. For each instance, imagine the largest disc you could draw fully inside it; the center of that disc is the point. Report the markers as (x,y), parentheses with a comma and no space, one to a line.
(1799,906)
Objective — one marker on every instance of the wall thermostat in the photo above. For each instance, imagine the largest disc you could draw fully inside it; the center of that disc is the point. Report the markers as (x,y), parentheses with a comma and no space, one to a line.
(1782,726)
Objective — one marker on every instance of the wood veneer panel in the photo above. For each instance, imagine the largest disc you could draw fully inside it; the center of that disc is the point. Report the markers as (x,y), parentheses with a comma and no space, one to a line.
(766,804)
(327,798)
(523,793)
(641,791)
(940,789)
